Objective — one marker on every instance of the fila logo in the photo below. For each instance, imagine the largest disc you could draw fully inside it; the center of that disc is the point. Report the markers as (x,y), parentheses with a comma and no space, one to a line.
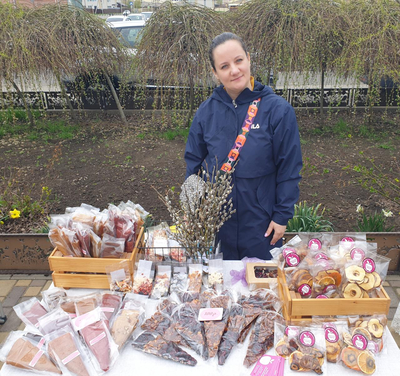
(255,126)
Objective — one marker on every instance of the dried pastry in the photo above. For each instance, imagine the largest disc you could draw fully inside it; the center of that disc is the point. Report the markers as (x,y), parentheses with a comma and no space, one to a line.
(124,325)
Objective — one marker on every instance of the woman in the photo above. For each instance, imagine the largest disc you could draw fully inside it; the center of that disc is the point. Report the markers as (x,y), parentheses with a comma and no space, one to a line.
(266,176)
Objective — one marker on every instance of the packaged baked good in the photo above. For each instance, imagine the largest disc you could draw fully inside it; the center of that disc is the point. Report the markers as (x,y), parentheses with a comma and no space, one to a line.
(20,352)
(195,278)
(262,336)
(66,350)
(154,343)
(161,282)
(110,302)
(54,320)
(94,331)
(51,297)
(179,279)
(143,279)
(29,312)
(216,274)
(119,277)
(112,247)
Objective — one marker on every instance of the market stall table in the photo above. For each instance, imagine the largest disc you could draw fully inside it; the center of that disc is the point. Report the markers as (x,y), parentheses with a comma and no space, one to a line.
(134,362)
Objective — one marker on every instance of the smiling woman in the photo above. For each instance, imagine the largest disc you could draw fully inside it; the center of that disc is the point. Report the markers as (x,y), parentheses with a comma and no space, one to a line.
(265,180)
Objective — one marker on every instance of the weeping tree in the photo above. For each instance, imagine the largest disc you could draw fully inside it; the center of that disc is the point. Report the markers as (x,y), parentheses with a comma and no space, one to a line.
(292,36)
(173,50)
(373,46)
(60,40)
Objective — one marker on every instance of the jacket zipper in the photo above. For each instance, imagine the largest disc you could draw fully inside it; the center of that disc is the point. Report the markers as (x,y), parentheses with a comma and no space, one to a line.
(234,103)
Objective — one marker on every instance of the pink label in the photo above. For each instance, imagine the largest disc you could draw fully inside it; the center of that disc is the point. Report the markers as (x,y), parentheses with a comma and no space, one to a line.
(369,265)
(292,259)
(210,314)
(359,341)
(321,256)
(331,335)
(347,239)
(307,338)
(323,264)
(292,331)
(36,358)
(304,290)
(70,357)
(72,315)
(97,339)
(321,296)
(41,343)
(286,251)
(315,244)
(107,309)
(357,254)
(268,365)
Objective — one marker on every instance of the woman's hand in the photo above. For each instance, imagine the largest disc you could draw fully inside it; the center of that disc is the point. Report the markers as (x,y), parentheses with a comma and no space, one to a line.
(278,230)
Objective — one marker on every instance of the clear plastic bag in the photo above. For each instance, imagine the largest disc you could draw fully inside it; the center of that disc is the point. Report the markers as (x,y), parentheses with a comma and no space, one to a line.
(51,297)
(29,312)
(119,277)
(161,282)
(54,320)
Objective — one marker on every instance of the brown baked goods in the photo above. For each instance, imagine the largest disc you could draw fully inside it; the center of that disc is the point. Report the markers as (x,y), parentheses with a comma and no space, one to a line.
(64,348)
(24,354)
(124,325)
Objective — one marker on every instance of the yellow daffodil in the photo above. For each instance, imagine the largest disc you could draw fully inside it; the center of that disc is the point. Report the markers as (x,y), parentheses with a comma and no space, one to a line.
(15,213)
(1,223)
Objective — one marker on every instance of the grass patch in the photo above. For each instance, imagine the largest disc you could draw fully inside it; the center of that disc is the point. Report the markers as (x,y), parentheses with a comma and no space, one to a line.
(172,134)
(15,123)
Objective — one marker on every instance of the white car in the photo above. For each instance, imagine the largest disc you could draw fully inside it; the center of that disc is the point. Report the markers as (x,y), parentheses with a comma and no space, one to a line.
(116,18)
(129,31)
(136,17)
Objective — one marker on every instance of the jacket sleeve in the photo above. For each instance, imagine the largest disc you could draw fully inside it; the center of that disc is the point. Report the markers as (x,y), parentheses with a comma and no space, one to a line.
(288,162)
(196,148)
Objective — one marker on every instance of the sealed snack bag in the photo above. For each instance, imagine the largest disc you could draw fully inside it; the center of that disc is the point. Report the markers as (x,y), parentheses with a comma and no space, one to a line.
(95,244)
(67,304)
(29,312)
(153,343)
(83,234)
(300,279)
(66,241)
(316,241)
(235,325)
(51,297)
(110,303)
(253,304)
(179,279)
(262,336)
(216,274)
(127,319)
(143,282)
(364,273)
(161,282)
(19,351)
(302,346)
(214,329)
(161,319)
(86,303)
(54,320)
(64,347)
(334,342)
(93,329)
(157,243)
(195,280)
(327,278)
(112,247)
(295,248)
(190,328)
(119,277)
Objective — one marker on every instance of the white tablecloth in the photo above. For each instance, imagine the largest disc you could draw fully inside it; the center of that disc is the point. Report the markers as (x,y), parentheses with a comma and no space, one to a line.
(132,362)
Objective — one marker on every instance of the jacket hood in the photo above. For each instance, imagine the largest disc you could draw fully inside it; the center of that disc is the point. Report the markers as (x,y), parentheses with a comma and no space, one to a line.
(245,96)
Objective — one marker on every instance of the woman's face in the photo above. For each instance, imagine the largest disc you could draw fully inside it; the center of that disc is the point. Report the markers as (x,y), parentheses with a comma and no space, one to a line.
(232,67)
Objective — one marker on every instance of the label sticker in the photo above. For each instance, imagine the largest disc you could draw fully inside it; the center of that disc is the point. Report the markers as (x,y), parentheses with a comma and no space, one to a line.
(331,335)
(210,314)
(314,245)
(304,290)
(369,265)
(359,341)
(97,338)
(70,357)
(292,259)
(307,338)
(357,254)
(36,358)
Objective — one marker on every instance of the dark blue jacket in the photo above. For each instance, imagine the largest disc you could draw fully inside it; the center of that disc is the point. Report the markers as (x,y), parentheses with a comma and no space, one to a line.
(265,181)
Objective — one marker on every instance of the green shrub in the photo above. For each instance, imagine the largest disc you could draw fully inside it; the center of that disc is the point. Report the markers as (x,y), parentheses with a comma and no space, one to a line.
(308,219)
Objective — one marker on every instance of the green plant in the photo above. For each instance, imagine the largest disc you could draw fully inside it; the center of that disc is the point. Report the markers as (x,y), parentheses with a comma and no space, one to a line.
(373,222)
(308,219)
(172,134)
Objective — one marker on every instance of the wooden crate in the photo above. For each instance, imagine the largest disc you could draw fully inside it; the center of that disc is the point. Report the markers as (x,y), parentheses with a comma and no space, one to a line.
(252,280)
(296,309)
(84,272)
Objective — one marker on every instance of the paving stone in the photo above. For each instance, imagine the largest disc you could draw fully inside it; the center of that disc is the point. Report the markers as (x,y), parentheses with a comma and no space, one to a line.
(23,282)
(394,299)
(38,283)
(32,291)
(385,284)
(6,286)
(31,276)
(47,285)
(5,276)
(395,283)
(398,292)
(3,336)
(13,297)
(392,277)
(12,323)
(2,298)
(391,313)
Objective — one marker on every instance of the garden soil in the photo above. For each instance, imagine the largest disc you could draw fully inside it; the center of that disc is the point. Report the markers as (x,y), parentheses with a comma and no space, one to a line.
(107,162)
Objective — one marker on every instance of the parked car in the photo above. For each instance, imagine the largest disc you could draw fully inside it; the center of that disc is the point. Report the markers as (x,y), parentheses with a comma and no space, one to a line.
(129,31)
(135,17)
(147,14)
(116,18)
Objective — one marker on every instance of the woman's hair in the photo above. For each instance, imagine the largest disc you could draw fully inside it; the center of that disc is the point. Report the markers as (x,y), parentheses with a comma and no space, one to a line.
(222,38)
